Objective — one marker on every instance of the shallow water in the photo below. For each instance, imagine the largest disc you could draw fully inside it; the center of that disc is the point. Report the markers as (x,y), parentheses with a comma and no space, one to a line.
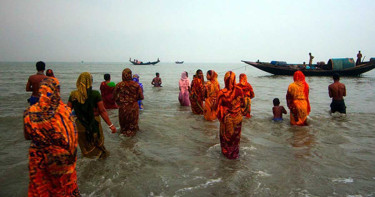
(177,153)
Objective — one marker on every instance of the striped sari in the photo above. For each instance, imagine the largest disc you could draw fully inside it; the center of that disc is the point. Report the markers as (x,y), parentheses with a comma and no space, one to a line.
(230,116)
(53,149)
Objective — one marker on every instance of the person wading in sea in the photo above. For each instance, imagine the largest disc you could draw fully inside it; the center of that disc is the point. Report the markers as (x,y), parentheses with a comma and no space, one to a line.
(34,82)
(337,92)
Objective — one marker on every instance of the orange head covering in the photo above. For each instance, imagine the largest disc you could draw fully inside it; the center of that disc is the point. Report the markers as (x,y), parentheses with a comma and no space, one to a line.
(126,74)
(243,79)
(49,100)
(300,77)
(230,80)
(213,75)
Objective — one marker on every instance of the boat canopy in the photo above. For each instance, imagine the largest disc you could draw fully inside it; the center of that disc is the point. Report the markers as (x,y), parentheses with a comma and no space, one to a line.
(372,59)
(278,63)
(341,63)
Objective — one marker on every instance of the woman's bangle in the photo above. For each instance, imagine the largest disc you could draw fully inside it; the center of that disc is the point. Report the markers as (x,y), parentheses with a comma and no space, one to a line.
(110,125)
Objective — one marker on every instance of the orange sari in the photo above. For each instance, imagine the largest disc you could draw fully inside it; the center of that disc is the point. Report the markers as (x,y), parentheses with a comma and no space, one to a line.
(297,99)
(53,149)
(196,96)
(211,90)
(248,94)
(230,116)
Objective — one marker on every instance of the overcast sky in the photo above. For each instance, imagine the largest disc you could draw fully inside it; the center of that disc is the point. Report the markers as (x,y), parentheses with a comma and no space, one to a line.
(190,30)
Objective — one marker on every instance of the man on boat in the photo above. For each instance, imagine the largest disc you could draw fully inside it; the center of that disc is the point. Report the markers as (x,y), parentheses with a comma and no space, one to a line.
(34,82)
(311,59)
(337,92)
(359,58)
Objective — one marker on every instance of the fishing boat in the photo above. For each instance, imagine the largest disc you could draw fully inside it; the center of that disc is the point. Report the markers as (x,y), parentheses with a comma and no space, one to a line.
(342,66)
(179,62)
(137,62)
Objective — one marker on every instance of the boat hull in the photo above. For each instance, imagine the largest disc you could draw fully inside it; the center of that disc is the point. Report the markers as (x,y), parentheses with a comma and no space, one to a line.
(286,70)
(144,63)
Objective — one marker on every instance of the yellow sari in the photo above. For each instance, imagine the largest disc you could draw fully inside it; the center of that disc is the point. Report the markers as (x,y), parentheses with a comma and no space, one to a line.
(298,100)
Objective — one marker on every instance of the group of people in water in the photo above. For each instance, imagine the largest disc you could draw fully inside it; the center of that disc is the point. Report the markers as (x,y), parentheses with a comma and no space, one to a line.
(55,131)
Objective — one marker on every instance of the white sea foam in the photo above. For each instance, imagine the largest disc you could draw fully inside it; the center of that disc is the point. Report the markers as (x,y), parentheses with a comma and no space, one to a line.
(343,180)
(262,174)
(203,185)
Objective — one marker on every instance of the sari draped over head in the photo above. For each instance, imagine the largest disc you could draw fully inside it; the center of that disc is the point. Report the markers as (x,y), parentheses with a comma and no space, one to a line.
(230,116)
(126,94)
(49,73)
(248,95)
(53,148)
(184,85)
(298,100)
(85,102)
(196,94)
(211,89)
(136,79)
(106,90)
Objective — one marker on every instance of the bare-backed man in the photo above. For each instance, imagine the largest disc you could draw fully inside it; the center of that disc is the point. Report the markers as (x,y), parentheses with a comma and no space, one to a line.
(34,82)
(337,92)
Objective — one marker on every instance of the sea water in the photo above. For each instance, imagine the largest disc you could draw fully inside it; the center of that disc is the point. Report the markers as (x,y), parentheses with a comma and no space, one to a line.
(176,153)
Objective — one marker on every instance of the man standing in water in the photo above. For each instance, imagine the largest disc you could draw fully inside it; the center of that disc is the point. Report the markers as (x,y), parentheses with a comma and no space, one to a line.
(34,81)
(156,82)
(337,92)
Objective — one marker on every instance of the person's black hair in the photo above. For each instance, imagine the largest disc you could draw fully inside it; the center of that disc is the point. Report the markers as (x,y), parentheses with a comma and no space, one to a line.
(156,74)
(276,102)
(40,66)
(336,76)
(107,77)
(209,72)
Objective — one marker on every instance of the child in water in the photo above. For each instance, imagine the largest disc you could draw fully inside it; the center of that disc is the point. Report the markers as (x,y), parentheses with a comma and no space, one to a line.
(277,110)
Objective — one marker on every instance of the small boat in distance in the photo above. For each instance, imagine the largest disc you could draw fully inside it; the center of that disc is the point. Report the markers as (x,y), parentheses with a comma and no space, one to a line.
(342,66)
(137,62)
(179,62)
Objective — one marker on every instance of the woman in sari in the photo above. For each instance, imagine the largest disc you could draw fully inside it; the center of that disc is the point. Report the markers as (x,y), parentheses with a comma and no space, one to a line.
(88,105)
(248,95)
(230,116)
(53,149)
(196,94)
(184,86)
(211,89)
(126,94)
(297,99)
(106,89)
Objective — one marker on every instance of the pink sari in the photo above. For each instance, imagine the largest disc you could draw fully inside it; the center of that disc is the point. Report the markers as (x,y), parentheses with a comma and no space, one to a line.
(184,85)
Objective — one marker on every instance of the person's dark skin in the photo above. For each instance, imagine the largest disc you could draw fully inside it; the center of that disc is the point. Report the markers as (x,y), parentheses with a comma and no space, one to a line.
(278,111)
(337,90)
(102,112)
(156,82)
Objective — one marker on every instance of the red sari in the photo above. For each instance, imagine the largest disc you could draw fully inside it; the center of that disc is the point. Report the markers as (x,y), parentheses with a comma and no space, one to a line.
(53,149)
(230,116)
(107,96)
(248,95)
(126,94)
(297,99)
(196,96)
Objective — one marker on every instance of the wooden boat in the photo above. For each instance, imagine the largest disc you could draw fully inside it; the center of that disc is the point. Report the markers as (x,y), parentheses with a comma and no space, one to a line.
(289,69)
(179,62)
(134,62)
